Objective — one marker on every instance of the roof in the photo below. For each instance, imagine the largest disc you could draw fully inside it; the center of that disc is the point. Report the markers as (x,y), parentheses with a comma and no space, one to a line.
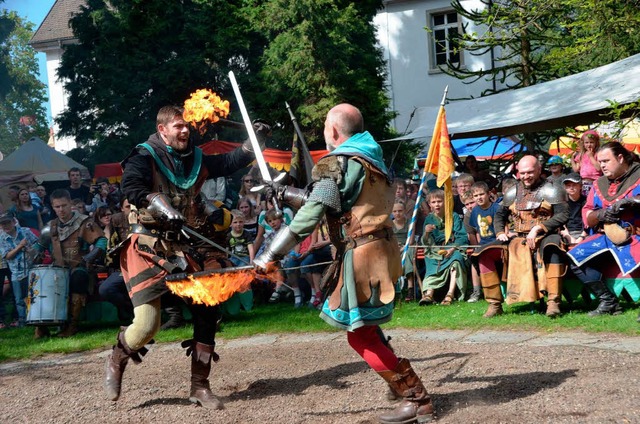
(578,99)
(35,159)
(55,28)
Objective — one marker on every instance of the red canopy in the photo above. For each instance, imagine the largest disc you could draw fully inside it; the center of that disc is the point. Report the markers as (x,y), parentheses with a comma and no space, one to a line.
(278,159)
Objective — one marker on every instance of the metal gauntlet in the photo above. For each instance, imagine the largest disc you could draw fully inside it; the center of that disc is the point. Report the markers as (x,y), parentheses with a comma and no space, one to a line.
(263,131)
(160,208)
(281,244)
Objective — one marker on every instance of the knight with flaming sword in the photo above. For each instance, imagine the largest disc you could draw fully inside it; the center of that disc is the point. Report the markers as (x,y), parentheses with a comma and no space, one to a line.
(162,177)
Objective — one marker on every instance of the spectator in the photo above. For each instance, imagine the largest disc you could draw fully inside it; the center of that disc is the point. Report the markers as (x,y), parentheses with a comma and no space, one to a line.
(402,194)
(13,195)
(239,240)
(556,167)
(77,205)
(103,196)
(446,266)
(257,200)
(469,203)
(401,229)
(27,214)
(574,231)
(463,183)
(77,190)
(472,168)
(584,160)
(250,217)
(264,229)
(314,261)
(7,309)
(46,211)
(215,189)
(16,246)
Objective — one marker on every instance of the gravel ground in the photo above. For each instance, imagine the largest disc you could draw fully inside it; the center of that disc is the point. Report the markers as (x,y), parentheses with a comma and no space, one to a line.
(512,378)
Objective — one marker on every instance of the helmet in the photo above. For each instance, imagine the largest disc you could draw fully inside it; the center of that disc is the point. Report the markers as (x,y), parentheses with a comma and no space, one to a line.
(555,160)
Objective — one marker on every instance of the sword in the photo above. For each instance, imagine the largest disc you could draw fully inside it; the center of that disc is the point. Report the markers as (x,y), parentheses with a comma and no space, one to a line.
(262,164)
(185,275)
(188,231)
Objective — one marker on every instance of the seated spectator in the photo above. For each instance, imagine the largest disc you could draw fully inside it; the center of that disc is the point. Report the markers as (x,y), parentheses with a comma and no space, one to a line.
(264,229)
(215,189)
(103,196)
(257,200)
(27,214)
(402,194)
(556,169)
(463,183)
(239,240)
(446,266)
(469,203)
(78,205)
(472,168)
(401,229)
(250,217)
(16,248)
(46,213)
(584,161)
(574,231)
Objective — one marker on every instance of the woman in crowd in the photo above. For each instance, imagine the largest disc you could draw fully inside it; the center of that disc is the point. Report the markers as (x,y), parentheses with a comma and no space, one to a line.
(256,199)
(102,217)
(584,160)
(250,217)
(27,214)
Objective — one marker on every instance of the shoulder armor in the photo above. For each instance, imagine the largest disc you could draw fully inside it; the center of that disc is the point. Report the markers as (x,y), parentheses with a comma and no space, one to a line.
(510,196)
(553,194)
(332,166)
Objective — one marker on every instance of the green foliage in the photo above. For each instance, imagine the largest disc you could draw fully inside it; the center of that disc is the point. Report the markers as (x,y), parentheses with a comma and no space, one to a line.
(21,93)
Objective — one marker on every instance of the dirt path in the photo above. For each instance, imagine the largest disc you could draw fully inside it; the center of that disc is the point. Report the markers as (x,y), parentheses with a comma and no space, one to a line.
(484,377)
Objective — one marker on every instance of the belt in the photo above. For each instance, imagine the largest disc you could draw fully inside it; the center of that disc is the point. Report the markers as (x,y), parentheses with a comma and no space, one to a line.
(385,233)
(168,235)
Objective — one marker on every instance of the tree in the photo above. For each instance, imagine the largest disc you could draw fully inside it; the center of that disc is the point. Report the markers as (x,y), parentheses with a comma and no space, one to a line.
(133,57)
(22,114)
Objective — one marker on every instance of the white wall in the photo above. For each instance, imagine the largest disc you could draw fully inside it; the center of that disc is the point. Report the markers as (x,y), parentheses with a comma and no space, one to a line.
(406,44)
(57,97)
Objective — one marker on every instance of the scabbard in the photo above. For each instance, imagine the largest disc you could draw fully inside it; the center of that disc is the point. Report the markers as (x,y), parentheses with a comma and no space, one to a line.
(185,276)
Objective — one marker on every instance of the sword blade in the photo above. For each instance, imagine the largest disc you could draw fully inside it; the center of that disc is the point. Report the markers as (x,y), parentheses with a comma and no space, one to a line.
(185,275)
(212,243)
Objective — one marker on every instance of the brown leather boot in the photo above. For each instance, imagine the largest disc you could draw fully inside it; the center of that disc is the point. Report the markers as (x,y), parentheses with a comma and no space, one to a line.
(492,293)
(77,303)
(116,364)
(416,404)
(201,356)
(554,289)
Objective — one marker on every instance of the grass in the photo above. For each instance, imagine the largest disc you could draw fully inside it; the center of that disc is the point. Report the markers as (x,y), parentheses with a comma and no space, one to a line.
(17,344)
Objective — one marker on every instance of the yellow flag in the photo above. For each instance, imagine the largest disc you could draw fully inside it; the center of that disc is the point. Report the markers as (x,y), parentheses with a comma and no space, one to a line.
(440,163)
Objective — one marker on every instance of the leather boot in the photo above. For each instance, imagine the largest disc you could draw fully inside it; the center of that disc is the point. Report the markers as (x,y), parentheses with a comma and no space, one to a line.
(554,289)
(416,404)
(116,364)
(41,332)
(492,293)
(608,301)
(201,356)
(77,303)
(176,319)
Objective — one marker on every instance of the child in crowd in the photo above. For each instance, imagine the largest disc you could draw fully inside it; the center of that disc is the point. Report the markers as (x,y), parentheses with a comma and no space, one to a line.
(481,219)
(446,265)
(78,205)
(556,167)
(274,219)
(402,193)
(463,183)
(585,162)
(574,231)
(239,240)
(401,228)
(470,203)
(264,229)
(16,247)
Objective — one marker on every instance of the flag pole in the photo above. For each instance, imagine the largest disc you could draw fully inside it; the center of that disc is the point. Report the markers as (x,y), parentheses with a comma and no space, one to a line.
(414,215)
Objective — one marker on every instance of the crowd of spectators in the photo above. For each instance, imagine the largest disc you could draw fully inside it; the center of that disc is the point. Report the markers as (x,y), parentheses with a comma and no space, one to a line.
(435,270)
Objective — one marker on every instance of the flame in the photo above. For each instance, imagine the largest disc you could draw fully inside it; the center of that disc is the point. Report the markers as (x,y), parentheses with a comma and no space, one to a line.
(216,288)
(204,107)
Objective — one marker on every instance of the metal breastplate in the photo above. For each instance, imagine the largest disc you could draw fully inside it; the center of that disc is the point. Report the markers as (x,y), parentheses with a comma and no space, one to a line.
(529,209)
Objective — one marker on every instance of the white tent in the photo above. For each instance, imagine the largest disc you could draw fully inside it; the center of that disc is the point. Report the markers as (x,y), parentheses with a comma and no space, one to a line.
(35,160)
(578,99)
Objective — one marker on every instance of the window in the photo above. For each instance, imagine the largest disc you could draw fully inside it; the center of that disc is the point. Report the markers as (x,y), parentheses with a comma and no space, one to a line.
(444,26)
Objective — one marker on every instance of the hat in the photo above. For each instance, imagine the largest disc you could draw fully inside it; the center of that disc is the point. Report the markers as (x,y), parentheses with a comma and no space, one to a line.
(574,177)
(6,217)
(555,160)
